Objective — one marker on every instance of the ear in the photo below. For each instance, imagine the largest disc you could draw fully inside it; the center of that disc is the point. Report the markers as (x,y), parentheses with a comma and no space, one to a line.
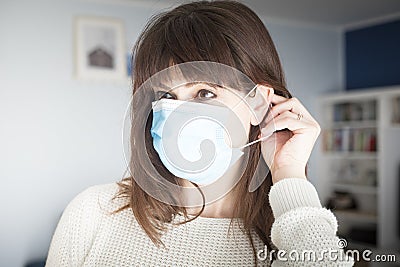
(260,103)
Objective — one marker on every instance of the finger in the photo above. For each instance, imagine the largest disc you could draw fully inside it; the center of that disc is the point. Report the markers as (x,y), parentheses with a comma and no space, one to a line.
(271,141)
(284,108)
(273,115)
(285,120)
(293,105)
(278,99)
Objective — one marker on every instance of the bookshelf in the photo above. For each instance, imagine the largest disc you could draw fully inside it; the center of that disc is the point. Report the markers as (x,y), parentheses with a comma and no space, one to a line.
(359,162)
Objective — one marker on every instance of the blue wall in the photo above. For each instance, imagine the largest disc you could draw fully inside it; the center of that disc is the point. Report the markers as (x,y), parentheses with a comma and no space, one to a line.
(373,56)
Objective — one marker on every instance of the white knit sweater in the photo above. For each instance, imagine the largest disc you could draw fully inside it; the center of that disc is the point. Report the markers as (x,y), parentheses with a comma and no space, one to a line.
(88,235)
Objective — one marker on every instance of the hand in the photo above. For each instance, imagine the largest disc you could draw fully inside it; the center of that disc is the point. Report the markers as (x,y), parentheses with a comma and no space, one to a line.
(287,152)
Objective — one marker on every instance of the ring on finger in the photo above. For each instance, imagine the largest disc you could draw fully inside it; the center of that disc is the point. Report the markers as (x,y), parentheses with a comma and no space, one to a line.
(299,116)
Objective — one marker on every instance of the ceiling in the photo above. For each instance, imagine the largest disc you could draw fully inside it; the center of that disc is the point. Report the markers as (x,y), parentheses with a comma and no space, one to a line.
(328,13)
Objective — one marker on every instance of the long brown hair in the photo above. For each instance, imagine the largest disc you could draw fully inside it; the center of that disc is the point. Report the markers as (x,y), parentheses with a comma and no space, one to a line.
(226,32)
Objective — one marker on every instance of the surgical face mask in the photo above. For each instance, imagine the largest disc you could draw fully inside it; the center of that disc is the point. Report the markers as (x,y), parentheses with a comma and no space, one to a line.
(192,140)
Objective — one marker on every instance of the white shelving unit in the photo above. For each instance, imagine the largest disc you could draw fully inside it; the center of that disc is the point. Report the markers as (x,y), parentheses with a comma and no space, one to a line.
(360,157)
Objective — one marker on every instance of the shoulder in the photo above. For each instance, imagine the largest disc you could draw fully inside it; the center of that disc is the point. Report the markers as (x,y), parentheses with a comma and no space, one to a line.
(101,191)
(95,201)
(80,223)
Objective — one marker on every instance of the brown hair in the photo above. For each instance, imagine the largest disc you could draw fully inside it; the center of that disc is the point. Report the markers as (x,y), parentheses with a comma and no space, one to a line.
(226,32)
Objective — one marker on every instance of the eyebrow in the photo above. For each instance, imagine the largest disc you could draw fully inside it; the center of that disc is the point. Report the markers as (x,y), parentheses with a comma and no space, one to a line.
(216,86)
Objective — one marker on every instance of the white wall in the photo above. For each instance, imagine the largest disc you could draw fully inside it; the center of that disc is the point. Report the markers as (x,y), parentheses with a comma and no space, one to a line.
(59,135)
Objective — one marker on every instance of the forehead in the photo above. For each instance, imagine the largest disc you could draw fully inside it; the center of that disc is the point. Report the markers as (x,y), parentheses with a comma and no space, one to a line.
(188,75)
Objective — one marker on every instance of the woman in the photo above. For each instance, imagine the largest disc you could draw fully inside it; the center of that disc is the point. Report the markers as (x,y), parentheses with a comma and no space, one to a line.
(143,221)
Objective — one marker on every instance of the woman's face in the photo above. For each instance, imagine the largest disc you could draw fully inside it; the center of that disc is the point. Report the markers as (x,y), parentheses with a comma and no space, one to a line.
(208,93)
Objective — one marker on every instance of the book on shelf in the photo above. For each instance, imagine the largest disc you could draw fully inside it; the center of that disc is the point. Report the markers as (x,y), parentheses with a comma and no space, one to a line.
(396,110)
(354,111)
(350,140)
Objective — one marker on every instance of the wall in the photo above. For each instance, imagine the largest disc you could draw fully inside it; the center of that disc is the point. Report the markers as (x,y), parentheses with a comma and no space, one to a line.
(373,56)
(59,135)
(312,59)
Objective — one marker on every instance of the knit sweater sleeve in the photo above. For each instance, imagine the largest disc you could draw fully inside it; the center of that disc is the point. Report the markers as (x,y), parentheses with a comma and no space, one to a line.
(75,230)
(304,232)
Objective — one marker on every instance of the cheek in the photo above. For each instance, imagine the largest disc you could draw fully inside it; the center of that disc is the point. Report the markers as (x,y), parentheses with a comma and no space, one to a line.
(241,119)
(243,123)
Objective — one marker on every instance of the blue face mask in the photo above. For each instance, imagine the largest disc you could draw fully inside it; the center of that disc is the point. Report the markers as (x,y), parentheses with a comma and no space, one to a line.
(192,141)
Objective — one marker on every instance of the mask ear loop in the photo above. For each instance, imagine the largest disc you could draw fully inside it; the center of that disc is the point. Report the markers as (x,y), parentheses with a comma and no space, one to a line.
(254,142)
(262,138)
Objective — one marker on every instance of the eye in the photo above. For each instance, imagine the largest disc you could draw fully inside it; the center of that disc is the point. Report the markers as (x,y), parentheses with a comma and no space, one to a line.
(164,94)
(205,94)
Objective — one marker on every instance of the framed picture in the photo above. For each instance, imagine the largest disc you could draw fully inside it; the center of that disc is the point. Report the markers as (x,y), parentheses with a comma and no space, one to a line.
(100,49)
